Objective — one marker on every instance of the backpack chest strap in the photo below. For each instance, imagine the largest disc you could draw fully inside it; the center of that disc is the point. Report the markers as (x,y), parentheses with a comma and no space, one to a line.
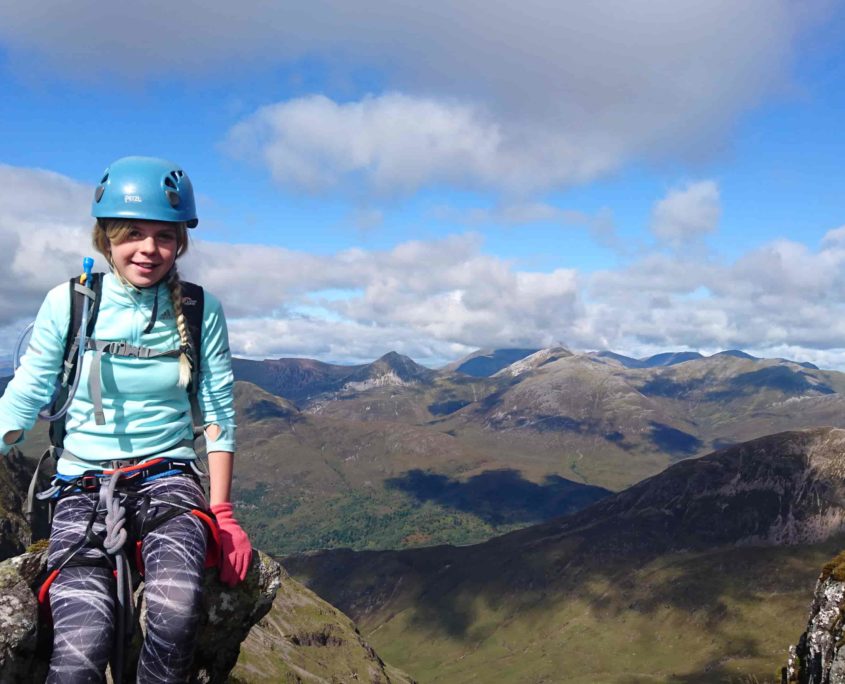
(115,348)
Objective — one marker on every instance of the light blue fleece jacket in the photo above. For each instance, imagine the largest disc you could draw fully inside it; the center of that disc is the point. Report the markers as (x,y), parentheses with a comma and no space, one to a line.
(146,411)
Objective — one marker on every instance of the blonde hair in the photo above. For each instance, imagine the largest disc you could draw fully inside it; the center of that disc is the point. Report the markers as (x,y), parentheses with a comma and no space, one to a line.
(109,232)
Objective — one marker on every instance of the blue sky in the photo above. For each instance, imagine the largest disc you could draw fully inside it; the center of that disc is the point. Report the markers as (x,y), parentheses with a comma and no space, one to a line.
(640,176)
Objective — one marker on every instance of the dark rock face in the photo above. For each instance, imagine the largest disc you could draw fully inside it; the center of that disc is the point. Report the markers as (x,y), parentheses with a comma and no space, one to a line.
(780,489)
(229,614)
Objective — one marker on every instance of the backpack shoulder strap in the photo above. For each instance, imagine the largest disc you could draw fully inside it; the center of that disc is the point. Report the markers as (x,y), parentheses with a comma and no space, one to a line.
(193,305)
(68,371)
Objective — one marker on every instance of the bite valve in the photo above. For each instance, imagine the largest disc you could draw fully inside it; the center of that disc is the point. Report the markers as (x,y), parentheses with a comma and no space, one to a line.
(87,265)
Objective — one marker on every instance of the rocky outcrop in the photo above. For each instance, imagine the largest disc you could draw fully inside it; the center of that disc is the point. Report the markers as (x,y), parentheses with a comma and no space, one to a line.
(20,639)
(819,657)
(229,614)
(15,532)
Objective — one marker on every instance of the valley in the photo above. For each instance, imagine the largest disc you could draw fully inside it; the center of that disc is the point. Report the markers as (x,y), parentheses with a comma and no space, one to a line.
(700,574)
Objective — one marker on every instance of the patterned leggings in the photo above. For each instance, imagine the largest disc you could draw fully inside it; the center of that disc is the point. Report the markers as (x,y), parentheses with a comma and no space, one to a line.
(82,598)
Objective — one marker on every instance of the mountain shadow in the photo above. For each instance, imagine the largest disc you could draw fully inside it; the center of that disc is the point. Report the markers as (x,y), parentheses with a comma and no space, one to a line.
(674,441)
(662,386)
(500,497)
(780,378)
(444,408)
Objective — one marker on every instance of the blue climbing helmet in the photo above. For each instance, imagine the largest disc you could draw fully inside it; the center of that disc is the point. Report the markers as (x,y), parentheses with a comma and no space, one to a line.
(146,188)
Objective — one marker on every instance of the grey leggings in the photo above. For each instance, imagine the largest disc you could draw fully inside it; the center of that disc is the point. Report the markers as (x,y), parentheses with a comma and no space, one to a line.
(82,598)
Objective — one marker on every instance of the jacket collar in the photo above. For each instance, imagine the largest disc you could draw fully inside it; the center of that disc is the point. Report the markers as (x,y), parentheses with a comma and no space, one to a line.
(126,295)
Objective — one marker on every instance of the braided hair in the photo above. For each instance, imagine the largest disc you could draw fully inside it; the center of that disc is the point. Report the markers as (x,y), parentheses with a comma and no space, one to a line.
(185,360)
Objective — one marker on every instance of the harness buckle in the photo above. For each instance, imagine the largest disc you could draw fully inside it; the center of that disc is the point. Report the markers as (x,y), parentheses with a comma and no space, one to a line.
(89,482)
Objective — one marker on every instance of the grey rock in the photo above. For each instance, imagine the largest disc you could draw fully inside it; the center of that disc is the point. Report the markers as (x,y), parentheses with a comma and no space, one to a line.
(819,657)
(20,641)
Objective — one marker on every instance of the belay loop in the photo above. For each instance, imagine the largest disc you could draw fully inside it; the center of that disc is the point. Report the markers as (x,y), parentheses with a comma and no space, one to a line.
(113,544)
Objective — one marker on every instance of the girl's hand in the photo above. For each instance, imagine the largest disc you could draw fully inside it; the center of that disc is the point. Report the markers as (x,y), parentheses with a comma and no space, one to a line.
(235,549)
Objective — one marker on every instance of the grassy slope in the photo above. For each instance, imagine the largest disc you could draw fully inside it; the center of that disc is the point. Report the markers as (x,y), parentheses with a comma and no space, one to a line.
(306,482)
(303,638)
(720,616)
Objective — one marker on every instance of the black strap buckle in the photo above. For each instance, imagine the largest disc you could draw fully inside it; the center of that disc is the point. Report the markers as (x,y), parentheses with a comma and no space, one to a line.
(88,482)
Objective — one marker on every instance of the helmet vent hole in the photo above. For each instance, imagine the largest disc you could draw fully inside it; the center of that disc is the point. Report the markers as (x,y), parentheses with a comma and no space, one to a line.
(98,193)
(172,197)
(104,178)
(168,181)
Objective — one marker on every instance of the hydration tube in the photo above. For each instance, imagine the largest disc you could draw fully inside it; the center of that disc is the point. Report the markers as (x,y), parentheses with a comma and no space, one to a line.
(44,413)
(19,345)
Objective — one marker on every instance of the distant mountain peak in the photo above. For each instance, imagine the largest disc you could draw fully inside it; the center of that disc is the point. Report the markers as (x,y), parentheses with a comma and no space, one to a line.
(390,369)
(535,360)
(737,353)
(394,357)
(486,362)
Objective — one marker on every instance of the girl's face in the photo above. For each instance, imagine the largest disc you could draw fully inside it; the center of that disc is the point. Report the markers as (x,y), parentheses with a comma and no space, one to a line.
(147,254)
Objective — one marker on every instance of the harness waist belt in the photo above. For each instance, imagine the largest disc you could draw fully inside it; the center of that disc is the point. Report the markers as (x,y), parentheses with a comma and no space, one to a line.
(91,480)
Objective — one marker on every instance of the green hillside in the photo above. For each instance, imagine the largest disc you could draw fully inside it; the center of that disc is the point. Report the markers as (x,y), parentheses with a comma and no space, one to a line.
(695,618)
(703,573)
(306,482)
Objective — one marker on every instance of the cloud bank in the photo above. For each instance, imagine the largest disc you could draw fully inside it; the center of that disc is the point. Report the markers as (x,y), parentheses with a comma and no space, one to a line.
(507,96)
(436,300)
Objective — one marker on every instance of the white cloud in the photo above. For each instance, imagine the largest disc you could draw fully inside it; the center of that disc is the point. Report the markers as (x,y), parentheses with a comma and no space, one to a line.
(687,213)
(503,95)
(398,143)
(44,231)
(434,300)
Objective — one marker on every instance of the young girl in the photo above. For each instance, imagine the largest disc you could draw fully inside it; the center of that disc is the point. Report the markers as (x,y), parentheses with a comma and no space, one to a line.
(132,407)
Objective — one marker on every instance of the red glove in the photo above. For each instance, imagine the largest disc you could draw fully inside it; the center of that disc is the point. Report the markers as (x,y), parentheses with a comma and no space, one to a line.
(235,549)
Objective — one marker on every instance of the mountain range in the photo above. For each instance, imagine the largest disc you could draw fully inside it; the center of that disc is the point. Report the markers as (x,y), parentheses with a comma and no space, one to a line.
(393,455)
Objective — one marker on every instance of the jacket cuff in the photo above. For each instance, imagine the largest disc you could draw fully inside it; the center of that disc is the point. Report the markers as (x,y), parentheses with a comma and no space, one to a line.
(225,440)
(6,448)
